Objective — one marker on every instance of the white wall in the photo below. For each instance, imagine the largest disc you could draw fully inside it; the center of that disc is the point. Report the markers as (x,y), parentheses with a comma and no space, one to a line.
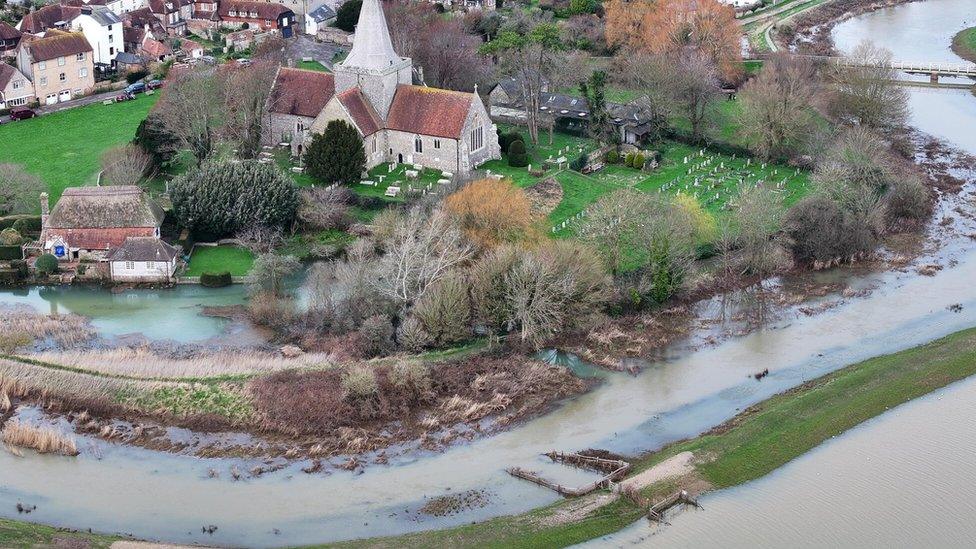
(142,271)
(106,42)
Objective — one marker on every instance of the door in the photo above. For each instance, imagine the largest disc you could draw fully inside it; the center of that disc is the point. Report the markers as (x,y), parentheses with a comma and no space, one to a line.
(65,95)
(399,159)
(51,99)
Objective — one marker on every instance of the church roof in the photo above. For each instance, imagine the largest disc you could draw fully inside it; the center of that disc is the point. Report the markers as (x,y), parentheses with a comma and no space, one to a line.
(429,111)
(361,111)
(301,92)
(372,47)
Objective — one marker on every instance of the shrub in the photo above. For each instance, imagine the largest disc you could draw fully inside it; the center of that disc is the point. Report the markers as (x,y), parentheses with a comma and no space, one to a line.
(612,157)
(909,200)
(490,212)
(638,161)
(220,199)
(411,377)
(47,264)
(337,155)
(216,280)
(267,309)
(579,163)
(10,237)
(506,139)
(376,336)
(359,382)
(412,336)
(136,76)
(629,160)
(348,15)
(517,157)
(822,232)
(489,290)
(27,225)
(445,311)
(155,138)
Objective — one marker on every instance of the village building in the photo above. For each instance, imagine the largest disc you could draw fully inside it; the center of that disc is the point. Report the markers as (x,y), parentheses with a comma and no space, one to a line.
(143,259)
(318,19)
(173,14)
(140,24)
(298,96)
(257,15)
(59,65)
(9,39)
(191,49)
(53,16)
(103,30)
(155,51)
(91,222)
(15,89)
(399,122)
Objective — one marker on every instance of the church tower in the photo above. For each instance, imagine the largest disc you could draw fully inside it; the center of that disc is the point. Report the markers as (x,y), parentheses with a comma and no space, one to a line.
(372,65)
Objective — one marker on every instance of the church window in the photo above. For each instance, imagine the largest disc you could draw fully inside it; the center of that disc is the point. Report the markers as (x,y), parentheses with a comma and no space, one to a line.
(437,143)
(477,139)
(418,145)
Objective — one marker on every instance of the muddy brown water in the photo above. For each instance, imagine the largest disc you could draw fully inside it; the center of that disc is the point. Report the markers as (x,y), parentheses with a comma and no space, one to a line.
(165,497)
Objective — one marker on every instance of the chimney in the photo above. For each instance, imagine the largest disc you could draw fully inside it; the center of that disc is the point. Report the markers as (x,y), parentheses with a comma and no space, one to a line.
(45,210)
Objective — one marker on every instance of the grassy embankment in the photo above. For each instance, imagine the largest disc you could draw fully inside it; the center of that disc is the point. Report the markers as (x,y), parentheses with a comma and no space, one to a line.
(753,444)
(964,44)
(64,148)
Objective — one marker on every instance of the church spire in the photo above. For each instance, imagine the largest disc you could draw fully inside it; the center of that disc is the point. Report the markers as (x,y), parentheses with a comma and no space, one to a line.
(372,47)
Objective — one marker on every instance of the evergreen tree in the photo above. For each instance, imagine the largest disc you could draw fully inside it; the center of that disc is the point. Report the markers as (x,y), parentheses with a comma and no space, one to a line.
(337,155)
(153,137)
(594,91)
(348,15)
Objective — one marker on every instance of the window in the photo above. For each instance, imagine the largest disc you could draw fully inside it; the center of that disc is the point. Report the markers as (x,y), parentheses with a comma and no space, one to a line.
(60,61)
(130,265)
(80,56)
(111,49)
(418,145)
(110,38)
(82,73)
(374,145)
(232,13)
(18,84)
(437,143)
(44,81)
(17,102)
(62,77)
(299,127)
(477,139)
(42,65)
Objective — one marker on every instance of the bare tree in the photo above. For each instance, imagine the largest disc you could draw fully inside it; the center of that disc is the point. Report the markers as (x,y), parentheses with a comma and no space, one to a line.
(422,250)
(777,115)
(247,90)
(268,274)
(757,217)
(193,109)
(19,190)
(695,87)
(867,94)
(325,207)
(260,239)
(125,165)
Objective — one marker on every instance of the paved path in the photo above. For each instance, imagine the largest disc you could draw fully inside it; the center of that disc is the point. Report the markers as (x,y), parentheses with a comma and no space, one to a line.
(305,46)
(81,102)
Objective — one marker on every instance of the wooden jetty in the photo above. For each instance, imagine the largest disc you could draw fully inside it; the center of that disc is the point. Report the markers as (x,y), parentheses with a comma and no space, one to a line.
(614,470)
(657,510)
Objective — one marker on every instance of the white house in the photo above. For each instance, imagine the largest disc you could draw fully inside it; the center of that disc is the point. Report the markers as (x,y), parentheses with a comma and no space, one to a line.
(119,7)
(318,19)
(103,30)
(16,90)
(143,259)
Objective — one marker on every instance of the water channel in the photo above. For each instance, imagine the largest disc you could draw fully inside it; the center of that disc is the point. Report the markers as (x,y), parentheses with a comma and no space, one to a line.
(166,497)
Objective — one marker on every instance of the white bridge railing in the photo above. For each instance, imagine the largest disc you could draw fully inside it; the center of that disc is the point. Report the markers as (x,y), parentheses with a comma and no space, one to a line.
(961,69)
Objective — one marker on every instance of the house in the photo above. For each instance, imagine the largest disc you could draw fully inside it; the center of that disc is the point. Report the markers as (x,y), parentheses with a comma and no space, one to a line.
(103,29)
(59,65)
(508,92)
(154,50)
(191,49)
(118,7)
(318,19)
(205,10)
(239,40)
(9,39)
(173,14)
(53,16)
(126,62)
(298,96)
(257,15)
(91,222)
(143,259)
(400,122)
(15,89)
(144,20)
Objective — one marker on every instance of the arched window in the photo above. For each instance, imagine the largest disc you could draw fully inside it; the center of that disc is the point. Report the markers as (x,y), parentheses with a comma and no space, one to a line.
(418,145)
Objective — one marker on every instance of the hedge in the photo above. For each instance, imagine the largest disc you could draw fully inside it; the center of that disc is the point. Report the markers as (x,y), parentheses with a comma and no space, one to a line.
(28,223)
(8,253)
(216,280)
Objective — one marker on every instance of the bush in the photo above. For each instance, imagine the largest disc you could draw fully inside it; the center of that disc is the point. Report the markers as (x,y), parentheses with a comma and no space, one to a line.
(491,212)
(579,163)
(136,76)
(155,138)
(445,311)
(10,237)
(412,336)
(908,200)
(337,155)
(638,161)
(220,199)
(8,253)
(506,139)
(629,160)
(216,280)
(613,157)
(46,264)
(347,16)
(376,336)
(823,232)
(27,225)
(517,157)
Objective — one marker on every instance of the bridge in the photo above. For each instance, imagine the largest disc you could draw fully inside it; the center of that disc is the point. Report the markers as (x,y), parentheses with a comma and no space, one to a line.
(933,70)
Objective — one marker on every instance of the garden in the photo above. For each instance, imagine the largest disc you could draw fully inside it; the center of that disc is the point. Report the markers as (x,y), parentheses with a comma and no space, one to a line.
(217,259)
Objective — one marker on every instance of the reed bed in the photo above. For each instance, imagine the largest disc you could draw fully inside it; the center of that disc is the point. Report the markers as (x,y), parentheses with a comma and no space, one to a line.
(20,328)
(45,440)
(145,364)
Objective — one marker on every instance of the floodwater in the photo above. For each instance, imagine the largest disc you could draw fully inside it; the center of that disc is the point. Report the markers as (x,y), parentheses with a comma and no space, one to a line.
(165,497)
(903,479)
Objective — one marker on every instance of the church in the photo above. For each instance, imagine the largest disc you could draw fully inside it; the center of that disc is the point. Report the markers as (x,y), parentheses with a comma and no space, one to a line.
(372,89)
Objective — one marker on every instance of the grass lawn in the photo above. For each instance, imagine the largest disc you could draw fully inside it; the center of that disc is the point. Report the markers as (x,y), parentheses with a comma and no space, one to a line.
(964,44)
(311,66)
(14,534)
(217,259)
(755,443)
(63,148)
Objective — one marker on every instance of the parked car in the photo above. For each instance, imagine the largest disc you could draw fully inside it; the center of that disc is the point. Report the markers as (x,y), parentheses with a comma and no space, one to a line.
(154,84)
(244,61)
(22,114)
(136,87)
(209,59)
(124,96)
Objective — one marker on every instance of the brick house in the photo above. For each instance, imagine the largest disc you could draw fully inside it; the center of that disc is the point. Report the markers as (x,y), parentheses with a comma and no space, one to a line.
(59,65)
(91,222)
(261,15)
(53,16)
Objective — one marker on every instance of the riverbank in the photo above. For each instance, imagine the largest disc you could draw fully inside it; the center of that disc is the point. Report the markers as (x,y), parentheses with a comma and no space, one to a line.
(810,32)
(749,446)
(964,44)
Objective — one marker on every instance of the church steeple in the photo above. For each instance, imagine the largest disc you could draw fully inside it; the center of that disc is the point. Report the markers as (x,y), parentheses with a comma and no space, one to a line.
(372,48)
(372,65)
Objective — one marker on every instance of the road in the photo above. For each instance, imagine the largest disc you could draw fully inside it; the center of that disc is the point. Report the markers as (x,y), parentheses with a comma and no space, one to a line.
(80,102)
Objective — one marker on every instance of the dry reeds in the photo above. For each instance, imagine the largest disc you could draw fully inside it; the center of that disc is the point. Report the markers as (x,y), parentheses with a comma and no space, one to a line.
(44,440)
(20,328)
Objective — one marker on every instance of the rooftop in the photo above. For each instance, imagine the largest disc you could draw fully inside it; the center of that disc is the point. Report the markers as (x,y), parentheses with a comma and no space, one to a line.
(144,248)
(301,92)
(429,111)
(108,207)
(58,44)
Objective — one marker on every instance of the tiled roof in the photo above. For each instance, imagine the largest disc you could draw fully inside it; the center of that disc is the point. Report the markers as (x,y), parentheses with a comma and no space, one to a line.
(140,18)
(429,111)
(8,32)
(189,45)
(46,17)
(301,92)
(156,49)
(133,35)
(58,44)
(7,73)
(144,248)
(122,206)
(361,111)
(265,10)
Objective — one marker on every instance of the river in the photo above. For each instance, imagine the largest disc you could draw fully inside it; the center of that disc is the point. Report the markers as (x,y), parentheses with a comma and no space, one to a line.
(903,479)
(114,489)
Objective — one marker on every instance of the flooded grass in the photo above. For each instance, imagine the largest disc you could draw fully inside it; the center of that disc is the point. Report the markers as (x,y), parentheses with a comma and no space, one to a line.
(45,440)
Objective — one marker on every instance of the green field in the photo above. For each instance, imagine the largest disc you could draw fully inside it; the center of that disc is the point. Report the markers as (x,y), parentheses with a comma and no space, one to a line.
(63,148)
(218,259)
(311,66)
(964,44)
